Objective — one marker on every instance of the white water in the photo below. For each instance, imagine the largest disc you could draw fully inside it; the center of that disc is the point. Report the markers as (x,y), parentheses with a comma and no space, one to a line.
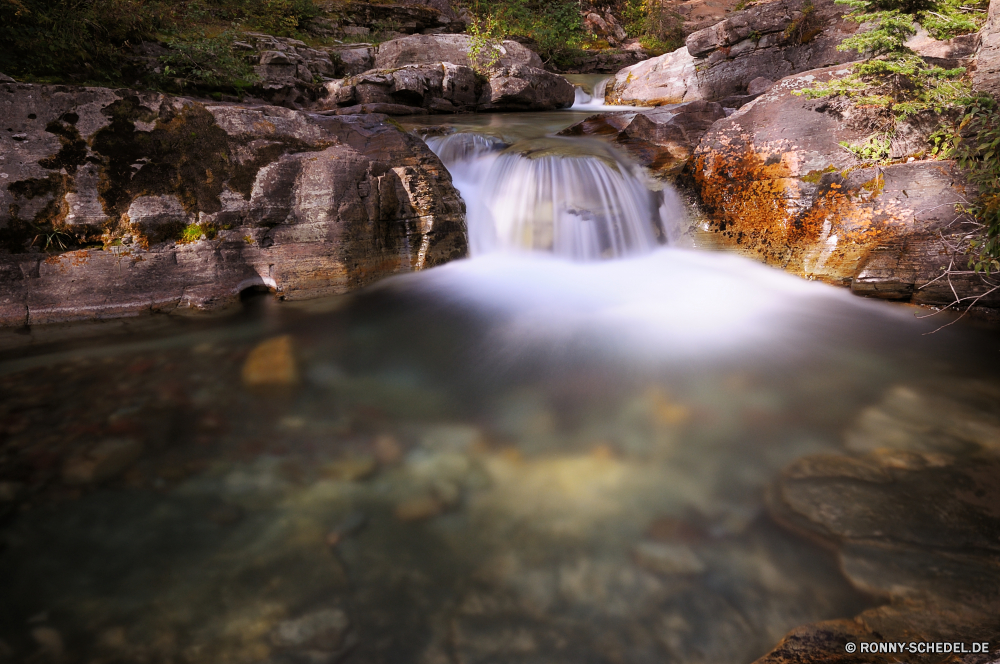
(575,198)
(594,100)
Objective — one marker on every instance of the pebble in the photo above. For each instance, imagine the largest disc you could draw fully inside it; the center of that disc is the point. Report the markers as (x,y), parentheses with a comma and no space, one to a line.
(106,460)
(272,364)
(667,558)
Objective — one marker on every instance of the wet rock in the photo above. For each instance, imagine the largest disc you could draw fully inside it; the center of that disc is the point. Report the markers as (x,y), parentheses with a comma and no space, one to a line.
(778,186)
(771,39)
(453,438)
(667,558)
(921,531)
(226,515)
(264,196)
(434,49)
(103,461)
(952,418)
(272,363)
(663,138)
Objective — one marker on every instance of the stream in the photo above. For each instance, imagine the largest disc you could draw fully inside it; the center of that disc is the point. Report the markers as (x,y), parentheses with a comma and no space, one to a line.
(557,450)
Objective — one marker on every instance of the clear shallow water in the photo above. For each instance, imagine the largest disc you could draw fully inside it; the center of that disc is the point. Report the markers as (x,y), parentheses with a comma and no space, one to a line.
(511,458)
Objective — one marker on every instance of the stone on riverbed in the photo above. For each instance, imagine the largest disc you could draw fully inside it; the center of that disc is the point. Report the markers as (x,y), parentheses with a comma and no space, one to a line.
(921,530)
(116,203)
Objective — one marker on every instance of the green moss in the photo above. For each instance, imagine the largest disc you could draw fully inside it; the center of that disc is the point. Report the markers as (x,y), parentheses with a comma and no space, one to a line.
(194,232)
(814,177)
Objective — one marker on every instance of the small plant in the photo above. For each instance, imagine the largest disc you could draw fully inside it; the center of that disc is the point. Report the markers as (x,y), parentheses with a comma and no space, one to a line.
(875,149)
(485,35)
(212,62)
(195,232)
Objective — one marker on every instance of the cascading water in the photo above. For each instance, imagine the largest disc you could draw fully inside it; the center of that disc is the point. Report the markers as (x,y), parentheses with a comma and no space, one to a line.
(590,97)
(573,197)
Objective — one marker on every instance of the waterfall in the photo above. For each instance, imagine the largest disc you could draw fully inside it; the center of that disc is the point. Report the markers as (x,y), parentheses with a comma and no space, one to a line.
(576,198)
(590,98)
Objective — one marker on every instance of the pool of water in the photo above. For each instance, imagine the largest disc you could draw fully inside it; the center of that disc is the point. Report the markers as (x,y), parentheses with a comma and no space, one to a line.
(513,458)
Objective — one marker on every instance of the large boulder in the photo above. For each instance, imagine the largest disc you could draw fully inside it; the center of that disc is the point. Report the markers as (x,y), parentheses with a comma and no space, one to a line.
(431,49)
(662,138)
(770,40)
(444,87)
(116,203)
(779,186)
(986,76)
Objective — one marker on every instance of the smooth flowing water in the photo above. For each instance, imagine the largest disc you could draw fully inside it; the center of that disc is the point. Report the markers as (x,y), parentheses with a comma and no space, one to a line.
(555,451)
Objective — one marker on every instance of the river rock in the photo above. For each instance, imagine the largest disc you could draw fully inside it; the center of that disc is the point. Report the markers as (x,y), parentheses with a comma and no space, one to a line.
(770,39)
(920,530)
(779,187)
(521,87)
(432,49)
(662,138)
(116,203)
(272,363)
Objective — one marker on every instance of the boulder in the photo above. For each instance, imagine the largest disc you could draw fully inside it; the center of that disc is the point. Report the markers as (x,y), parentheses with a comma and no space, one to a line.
(354,59)
(432,49)
(662,138)
(409,17)
(986,76)
(521,87)
(771,39)
(920,530)
(779,186)
(116,203)
(444,87)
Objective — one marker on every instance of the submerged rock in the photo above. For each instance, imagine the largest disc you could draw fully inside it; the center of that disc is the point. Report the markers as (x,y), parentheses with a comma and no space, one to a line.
(272,363)
(780,187)
(116,203)
(769,39)
(920,530)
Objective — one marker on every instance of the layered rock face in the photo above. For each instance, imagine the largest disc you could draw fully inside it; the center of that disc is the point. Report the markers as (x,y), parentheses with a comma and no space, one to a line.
(770,40)
(781,188)
(117,203)
(434,74)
